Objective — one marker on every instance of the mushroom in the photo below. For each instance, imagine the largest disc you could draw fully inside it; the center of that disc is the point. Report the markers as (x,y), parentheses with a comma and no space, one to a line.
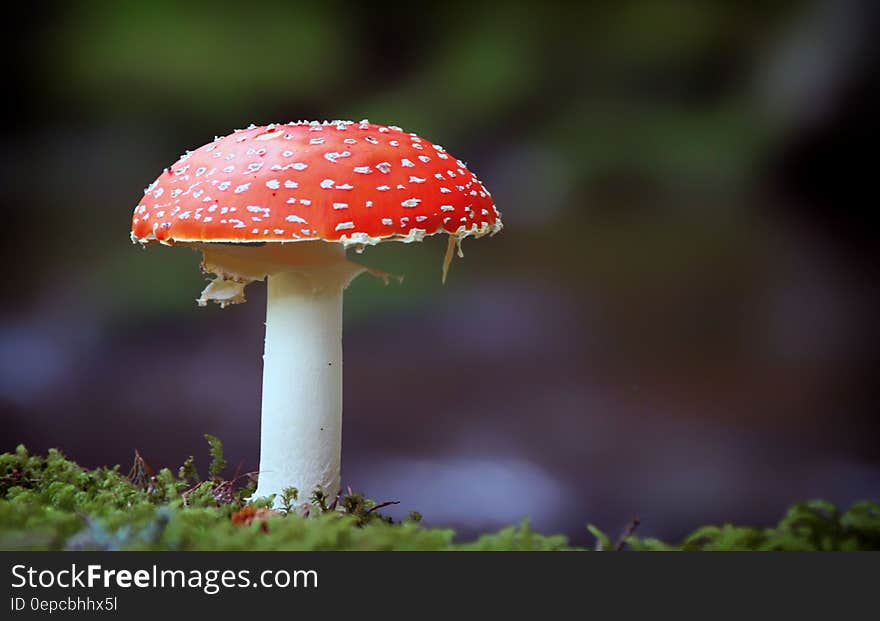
(283,202)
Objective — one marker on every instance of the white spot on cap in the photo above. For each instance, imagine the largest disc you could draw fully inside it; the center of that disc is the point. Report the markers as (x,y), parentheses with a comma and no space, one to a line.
(363,170)
(327,184)
(242,188)
(410,202)
(340,205)
(405,162)
(447,208)
(383,188)
(273,184)
(270,135)
(387,221)
(343,226)
(289,184)
(416,180)
(293,218)
(333,156)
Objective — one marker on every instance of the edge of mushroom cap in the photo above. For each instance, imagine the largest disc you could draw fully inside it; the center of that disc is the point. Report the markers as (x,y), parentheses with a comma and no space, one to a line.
(356,240)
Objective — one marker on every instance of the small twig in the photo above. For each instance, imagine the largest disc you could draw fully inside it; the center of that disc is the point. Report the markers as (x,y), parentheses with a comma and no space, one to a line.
(222,483)
(384,504)
(184,495)
(238,471)
(246,475)
(630,530)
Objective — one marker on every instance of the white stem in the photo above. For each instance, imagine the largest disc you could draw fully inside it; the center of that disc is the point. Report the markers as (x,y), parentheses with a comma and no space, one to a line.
(301,435)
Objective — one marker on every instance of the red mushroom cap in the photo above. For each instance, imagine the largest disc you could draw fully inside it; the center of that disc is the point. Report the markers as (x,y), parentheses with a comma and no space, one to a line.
(354,183)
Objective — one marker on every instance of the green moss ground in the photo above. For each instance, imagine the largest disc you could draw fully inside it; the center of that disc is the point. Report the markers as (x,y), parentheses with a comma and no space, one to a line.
(51,503)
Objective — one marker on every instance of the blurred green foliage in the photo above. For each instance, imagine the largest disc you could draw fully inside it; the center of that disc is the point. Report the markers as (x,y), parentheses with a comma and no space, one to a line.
(52,503)
(568,110)
(150,53)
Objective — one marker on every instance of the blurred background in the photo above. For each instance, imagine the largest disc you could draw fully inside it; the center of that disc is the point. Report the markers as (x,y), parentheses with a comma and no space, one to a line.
(678,321)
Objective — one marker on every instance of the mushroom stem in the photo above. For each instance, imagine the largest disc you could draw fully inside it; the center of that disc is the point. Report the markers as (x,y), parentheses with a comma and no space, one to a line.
(301,434)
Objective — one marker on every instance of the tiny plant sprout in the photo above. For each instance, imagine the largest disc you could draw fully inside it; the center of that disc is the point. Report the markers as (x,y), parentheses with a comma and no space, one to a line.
(283,203)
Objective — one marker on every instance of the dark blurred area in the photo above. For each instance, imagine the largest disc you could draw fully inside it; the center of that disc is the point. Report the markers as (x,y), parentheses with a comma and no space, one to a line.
(678,321)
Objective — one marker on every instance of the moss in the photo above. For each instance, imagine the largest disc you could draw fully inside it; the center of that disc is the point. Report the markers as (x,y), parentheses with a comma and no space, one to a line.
(807,526)
(50,503)
(218,461)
